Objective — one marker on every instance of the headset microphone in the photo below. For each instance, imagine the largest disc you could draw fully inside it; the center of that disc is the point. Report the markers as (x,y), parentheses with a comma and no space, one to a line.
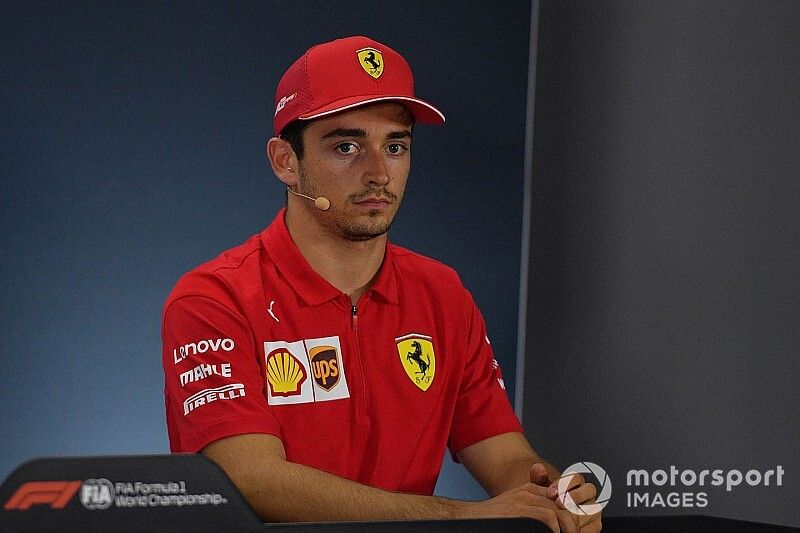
(320,202)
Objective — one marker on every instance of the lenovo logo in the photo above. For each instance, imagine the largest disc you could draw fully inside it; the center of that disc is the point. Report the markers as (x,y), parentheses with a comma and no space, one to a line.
(55,493)
(194,348)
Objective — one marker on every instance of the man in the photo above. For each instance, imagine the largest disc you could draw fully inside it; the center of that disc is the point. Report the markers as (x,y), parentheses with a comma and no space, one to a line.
(326,370)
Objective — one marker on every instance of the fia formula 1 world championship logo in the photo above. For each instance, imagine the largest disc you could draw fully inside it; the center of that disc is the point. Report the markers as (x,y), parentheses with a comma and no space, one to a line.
(602,498)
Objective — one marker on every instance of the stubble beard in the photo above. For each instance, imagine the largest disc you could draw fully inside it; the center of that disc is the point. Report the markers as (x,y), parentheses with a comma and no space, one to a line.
(355,229)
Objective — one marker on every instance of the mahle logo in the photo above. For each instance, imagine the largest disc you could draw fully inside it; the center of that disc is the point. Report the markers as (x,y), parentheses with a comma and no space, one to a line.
(602,498)
(97,494)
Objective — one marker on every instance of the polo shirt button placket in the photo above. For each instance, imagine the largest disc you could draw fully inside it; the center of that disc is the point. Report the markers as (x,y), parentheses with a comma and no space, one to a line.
(361,399)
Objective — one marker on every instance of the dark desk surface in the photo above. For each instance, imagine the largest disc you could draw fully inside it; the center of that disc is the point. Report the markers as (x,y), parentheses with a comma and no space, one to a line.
(190,493)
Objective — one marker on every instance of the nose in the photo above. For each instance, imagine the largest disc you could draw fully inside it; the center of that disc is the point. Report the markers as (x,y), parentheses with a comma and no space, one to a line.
(376,171)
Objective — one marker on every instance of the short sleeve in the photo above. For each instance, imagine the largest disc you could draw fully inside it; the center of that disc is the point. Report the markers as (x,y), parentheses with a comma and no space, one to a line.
(482,408)
(213,386)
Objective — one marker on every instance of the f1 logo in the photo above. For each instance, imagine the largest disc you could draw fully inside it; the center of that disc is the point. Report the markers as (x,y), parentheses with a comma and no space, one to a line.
(56,493)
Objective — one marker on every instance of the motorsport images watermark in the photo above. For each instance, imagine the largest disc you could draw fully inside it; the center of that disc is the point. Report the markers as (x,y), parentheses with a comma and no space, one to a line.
(684,497)
(688,478)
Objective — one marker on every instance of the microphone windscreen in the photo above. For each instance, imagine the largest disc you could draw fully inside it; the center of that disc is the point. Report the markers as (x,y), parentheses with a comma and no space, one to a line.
(322,203)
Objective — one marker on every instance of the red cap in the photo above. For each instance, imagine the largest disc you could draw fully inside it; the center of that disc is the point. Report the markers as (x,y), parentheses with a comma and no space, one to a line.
(346,73)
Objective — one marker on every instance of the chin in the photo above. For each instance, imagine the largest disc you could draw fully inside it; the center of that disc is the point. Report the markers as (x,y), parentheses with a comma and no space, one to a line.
(365,232)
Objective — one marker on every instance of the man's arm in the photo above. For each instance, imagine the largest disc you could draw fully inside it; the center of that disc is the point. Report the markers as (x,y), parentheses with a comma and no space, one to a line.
(505,461)
(502,462)
(281,491)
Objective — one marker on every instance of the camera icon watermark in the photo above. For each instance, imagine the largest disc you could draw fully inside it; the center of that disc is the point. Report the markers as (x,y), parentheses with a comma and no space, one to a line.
(602,497)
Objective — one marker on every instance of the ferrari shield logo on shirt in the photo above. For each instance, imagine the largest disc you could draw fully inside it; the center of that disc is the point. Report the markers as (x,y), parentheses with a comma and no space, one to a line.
(371,60)
(418,358)
(304,371)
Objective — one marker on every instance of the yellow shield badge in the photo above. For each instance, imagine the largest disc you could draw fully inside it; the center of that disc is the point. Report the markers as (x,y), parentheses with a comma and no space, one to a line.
(371,61)
(418,359)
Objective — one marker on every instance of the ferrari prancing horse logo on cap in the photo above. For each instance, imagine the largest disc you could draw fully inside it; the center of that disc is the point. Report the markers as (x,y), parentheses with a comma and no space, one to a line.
(418,359)
(371,61)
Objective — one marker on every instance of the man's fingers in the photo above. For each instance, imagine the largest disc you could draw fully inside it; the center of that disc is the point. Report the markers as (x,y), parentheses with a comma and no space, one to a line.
(546,516)
(539,475)
(534,501)
(591,523)
(568,522)
(572,481)
(575,480)
(538,490)
(579,495)
(540,507)
(586,519)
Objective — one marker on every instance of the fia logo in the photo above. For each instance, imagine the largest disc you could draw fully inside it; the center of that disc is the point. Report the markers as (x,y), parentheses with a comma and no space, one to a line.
(97,494)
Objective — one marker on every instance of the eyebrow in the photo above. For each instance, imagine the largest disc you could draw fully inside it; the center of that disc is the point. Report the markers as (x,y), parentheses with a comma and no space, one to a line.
(405,134)
(359,133)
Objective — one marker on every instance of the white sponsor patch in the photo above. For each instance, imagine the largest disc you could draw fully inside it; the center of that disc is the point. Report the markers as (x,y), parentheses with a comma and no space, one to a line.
(206,396)
(306,371)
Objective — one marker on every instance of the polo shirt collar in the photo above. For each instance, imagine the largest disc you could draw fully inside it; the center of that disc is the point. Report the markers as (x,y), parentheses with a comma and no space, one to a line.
(312,288)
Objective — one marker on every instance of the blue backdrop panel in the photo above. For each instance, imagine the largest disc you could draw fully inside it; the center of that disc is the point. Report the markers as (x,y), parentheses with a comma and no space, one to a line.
(132,149)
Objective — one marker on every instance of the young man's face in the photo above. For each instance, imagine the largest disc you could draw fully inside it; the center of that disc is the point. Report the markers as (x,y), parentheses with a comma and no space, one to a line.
(360,161)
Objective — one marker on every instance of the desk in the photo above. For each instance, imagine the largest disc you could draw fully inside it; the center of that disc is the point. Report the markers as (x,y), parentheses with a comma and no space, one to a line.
(187,492)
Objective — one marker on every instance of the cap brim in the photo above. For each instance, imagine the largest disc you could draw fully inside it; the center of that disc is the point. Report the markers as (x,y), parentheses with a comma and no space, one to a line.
(423,112)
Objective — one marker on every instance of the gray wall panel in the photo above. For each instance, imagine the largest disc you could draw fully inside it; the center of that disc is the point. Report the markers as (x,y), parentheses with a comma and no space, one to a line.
(663,286)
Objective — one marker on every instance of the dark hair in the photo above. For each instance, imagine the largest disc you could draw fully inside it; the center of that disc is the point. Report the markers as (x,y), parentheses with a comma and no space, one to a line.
(293,134)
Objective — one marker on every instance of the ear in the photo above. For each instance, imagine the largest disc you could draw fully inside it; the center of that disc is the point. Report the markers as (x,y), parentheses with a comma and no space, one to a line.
(283,160)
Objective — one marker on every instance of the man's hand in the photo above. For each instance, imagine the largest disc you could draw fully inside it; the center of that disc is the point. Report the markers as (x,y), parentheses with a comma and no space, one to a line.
(579,491)
(507,462)
(529,500)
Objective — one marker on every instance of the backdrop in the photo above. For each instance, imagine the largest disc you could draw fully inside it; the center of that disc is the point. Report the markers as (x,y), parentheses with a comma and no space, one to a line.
(665,260)
(132,149)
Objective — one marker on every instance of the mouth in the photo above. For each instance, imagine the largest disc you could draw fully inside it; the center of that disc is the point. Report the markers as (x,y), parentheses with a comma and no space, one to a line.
(374,202)
(373,205)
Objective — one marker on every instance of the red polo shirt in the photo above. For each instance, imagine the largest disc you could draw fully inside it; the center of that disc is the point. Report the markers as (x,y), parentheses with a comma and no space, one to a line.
(255,341)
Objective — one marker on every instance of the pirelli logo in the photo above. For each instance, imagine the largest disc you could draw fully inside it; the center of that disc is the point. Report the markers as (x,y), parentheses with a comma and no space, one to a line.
(227,392)
(54,493)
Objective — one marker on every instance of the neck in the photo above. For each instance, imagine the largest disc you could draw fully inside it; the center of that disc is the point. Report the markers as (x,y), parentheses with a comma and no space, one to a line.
(350,266)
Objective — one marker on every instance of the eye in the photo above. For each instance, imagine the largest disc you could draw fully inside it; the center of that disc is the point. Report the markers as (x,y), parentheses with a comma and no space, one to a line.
(346,148)
(396,149)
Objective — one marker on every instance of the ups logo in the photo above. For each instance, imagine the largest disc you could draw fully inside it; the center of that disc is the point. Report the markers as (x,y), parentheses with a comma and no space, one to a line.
(325,366)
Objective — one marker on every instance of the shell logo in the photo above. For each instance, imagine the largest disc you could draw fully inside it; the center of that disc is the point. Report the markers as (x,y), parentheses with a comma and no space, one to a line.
(285,373)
